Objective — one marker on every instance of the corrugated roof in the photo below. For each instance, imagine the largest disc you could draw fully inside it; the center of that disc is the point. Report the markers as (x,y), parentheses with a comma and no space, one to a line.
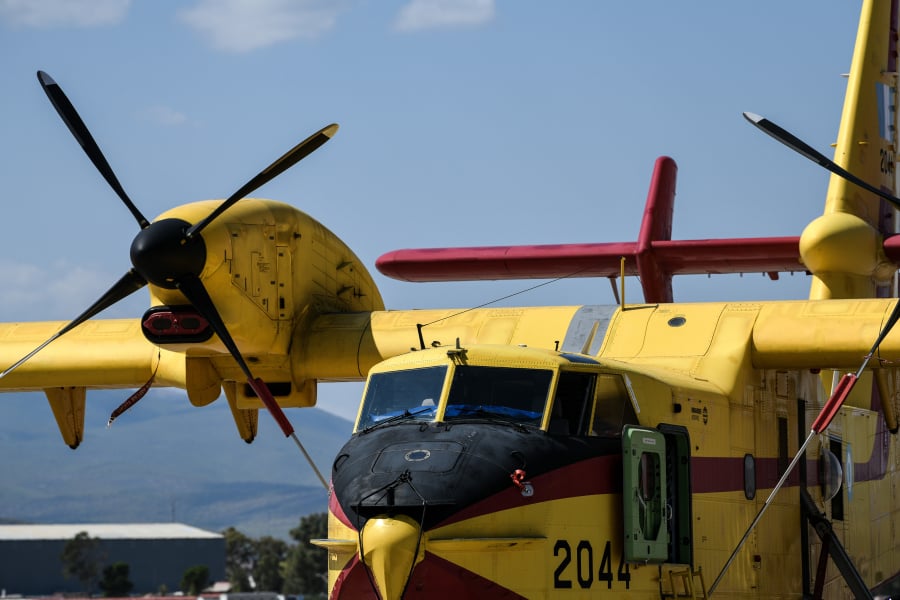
(106,531)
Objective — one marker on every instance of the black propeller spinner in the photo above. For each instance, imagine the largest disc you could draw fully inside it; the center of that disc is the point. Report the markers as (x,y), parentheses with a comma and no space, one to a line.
(170,253)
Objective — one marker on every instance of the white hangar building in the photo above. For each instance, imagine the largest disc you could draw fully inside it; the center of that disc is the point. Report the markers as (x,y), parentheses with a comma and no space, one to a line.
(157,555)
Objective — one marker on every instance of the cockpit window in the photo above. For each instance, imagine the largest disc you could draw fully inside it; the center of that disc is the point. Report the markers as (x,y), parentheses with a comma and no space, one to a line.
(412,394)
(614,409)
(572,406)
(517,395)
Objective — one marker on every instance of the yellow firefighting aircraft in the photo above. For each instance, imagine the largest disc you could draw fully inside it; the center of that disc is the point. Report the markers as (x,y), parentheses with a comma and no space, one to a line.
(638,450)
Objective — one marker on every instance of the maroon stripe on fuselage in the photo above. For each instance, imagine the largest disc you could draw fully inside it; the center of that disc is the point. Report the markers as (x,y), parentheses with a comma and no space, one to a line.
(353,582)
(434,579)
(334,506)
(876,466)
(601,475)
(709,474)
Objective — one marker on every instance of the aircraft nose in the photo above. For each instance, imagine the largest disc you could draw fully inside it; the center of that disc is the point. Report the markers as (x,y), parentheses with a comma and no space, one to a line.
(391,547)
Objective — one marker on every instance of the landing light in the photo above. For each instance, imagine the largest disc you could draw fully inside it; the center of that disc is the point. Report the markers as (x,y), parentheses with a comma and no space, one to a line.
(172,324)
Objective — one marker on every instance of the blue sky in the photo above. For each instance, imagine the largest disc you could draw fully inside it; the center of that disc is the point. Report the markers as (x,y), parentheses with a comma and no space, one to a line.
(463,122)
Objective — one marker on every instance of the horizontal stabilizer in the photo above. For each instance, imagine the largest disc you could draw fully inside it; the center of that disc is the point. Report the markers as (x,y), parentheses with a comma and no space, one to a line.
(654,257)
(682,257)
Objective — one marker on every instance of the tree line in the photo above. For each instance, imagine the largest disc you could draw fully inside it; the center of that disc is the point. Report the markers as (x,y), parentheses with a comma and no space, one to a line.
(251,564)
(273,565)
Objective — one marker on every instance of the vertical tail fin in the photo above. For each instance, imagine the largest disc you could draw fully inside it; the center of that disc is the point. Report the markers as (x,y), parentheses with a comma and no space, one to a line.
(656,278)
(844,247)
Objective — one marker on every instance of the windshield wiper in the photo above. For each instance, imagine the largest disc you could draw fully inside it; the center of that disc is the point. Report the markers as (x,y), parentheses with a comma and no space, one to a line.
(406,414)
(482,414)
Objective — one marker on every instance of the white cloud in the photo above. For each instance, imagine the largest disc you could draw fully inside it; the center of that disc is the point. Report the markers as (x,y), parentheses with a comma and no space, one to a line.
(428,14)
(244,25)
(63,13)
(165,115)
(59,292)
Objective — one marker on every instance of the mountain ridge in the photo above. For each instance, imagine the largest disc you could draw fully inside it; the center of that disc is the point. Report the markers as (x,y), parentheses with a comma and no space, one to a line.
(163,460)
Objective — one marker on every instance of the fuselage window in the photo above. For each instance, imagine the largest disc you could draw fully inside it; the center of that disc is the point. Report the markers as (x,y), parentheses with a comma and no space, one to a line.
(414,393)
(517,395)
(572,405)
(614,408)
(837,500)
(749,477)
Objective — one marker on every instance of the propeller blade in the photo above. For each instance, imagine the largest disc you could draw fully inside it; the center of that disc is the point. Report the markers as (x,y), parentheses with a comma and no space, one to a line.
(83,136)
(796,144)
(197,295)
(264,394)
(127,285)
(193,290)
(288,160)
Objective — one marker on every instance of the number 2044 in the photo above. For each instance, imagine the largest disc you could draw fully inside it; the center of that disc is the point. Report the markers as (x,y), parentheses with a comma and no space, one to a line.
(576,566)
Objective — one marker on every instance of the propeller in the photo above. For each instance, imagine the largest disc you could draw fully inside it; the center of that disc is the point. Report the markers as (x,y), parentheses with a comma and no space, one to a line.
(171,253)
(845,385)
(70,117)
(290,158)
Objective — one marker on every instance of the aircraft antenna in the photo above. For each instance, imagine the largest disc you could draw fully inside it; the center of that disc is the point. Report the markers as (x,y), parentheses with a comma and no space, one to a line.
(420,326)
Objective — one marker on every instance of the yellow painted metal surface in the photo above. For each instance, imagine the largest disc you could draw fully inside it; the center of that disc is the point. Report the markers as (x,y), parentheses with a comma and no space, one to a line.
(67,404)
(862,149)
(391,548)
(744,380)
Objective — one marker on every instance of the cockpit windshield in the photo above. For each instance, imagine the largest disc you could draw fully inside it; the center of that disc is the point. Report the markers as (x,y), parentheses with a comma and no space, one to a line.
(412,394)
(511,394)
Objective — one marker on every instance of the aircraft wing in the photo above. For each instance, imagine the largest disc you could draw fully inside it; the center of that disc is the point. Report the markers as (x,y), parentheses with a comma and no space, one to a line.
(796,334)
(98,354)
